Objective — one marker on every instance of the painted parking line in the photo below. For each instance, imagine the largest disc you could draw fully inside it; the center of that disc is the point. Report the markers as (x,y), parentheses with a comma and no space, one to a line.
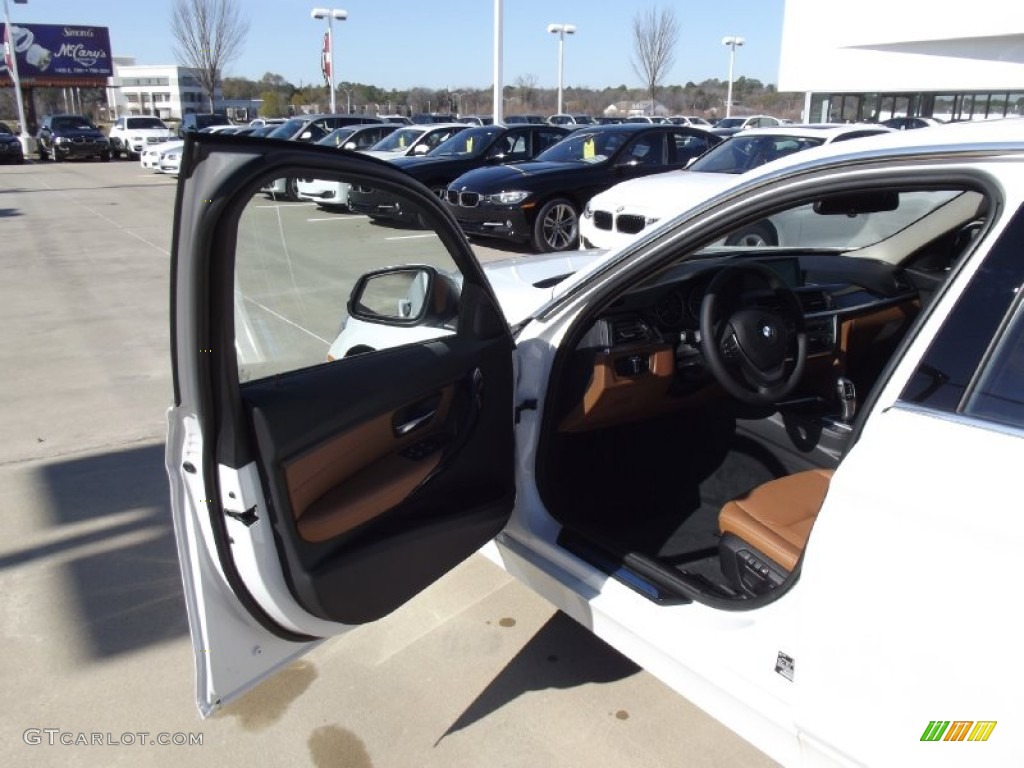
(412,237)
(286,205)
(292,323)
(341,218)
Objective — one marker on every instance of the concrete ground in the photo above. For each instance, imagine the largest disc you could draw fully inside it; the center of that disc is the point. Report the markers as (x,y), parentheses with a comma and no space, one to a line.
(477,671)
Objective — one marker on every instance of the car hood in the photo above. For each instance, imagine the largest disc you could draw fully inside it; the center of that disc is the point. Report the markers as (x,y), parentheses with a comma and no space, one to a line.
(675,191)
(147,132)
(76,133)
(506,176)
(525,283)
(382,154)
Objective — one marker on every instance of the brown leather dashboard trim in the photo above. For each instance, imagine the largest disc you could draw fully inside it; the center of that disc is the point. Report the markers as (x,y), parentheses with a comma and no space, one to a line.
(613,399)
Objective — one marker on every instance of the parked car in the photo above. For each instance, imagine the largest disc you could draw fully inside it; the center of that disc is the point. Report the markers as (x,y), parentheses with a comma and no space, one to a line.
(571,119)
(475,119)
(700,122)
(656,119)
(332,194)
(738,466)
(539,202)
(414,140)
(475,147)
(193,122)
(260,122)
(169,160)
(609,120)
(727,126)
(150,157)
(626,210)
(130,136)
(11,150)
(399,119)
(62,137)
(434,117)
(309,129)
(910,123)
(519,119)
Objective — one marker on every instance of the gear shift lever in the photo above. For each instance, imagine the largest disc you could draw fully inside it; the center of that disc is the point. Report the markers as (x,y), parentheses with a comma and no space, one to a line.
(847,395)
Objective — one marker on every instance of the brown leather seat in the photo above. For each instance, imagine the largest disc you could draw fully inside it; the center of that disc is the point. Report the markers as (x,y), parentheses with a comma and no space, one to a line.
(776,518)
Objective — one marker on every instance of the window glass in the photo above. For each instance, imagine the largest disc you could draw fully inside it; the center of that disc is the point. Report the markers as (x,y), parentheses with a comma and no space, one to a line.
(296,268)
(999,395)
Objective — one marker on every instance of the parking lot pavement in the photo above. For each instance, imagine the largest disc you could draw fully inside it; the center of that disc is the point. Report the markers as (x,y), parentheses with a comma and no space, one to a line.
(476,671)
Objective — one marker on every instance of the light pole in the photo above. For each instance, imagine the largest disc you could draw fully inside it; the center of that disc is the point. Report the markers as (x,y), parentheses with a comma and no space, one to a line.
(561,30)
(330,15)
(733,42)
(9,48)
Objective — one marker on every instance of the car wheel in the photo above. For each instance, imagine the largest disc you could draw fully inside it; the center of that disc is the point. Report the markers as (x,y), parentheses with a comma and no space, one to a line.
(557,226)
(105,157)
(42,152)
(291,189)
(53,154)
(756,235)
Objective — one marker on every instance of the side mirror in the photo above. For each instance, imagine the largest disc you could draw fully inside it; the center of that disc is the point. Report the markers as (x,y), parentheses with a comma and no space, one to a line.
(420,149)
(349,145)
(403,296)
(305,136)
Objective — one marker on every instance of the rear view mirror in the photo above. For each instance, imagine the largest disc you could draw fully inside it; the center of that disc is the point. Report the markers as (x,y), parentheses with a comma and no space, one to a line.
(853,203)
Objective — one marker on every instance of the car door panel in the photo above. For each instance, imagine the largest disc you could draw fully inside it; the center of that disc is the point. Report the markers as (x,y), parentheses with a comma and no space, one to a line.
(321,496)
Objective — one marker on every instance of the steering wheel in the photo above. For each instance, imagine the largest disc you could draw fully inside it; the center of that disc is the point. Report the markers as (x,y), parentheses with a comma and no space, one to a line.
(757,353)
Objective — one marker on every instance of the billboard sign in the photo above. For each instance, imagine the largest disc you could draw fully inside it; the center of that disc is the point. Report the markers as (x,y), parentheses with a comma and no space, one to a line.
(58,55)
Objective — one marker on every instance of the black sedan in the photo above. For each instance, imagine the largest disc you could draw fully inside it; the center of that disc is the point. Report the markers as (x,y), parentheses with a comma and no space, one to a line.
(539,202)
(10,146)
(482,146)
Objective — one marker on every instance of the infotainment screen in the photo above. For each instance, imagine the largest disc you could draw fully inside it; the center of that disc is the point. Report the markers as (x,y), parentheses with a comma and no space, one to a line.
(787,268)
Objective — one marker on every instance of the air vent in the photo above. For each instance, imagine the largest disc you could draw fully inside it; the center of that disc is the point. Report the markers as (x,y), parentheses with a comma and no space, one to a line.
(815,301)
(630,330)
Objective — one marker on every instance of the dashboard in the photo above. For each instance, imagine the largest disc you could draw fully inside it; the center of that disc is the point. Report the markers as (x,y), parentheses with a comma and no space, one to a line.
(643,354)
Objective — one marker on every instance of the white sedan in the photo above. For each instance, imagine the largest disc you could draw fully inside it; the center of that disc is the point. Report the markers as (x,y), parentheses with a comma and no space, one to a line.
(150,157)
(620,214)
(780,479)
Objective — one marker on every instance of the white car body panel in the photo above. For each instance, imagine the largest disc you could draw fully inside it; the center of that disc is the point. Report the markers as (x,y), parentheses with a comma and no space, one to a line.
(326,192)
(150,159)
(899,574)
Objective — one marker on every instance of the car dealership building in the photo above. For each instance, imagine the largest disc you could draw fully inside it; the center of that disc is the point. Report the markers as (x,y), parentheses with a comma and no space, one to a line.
(876,59)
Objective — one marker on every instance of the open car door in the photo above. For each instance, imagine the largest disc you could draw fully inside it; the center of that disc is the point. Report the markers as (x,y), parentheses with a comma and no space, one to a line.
(311,494)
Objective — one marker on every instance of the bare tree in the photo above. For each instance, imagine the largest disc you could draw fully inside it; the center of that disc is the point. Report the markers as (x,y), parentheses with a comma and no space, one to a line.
(208,34)
(655,34)
(527,86)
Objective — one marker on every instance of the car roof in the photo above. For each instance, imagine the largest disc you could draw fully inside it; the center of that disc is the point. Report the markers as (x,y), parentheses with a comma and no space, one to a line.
(813,131)
(988,135)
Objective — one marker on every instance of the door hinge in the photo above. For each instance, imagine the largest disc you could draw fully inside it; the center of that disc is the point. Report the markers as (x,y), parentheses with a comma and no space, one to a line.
(526,405)
(246,518)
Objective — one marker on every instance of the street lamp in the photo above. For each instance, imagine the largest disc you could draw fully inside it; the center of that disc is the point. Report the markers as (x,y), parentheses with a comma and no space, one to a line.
(733,42)
(11,57)
(561,30)
(330,15)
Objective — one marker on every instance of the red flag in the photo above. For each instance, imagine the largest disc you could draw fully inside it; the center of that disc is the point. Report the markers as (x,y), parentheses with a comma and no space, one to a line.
(325,57)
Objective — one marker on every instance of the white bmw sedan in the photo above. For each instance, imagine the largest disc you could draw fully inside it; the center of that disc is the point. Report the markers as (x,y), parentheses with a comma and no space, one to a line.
(781,479)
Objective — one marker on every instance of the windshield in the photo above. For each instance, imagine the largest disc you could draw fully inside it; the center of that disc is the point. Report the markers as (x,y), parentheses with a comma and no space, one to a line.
(730,122)
(71,123)
(742,153)
(139,123)
(400,140)
(472,142)
(289,129)
(337,137)
(589,148)
(5,130)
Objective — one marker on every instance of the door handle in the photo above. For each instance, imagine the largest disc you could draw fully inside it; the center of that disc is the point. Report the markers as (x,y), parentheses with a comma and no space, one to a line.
(415,416)
(401,430)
